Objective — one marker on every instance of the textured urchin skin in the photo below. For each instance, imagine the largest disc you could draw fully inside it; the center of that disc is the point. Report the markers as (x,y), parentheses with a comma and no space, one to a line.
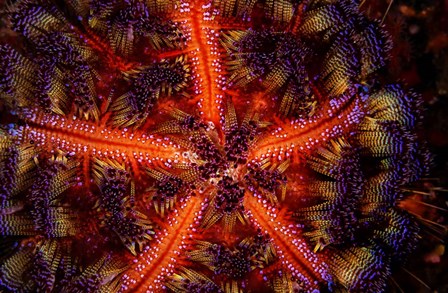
(214,146)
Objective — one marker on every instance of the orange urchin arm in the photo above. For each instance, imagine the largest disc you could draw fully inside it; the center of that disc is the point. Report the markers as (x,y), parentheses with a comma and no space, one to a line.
(206,61)
(77,136)
(150,267)
(295,254)
(303,136)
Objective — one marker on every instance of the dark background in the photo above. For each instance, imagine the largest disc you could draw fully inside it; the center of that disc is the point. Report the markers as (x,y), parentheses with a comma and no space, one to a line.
(419,59)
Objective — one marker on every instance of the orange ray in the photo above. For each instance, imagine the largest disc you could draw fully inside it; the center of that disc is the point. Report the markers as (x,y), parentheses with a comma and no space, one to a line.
(303,137)
(206,62)
(148,270)
(294,252)
(77,136)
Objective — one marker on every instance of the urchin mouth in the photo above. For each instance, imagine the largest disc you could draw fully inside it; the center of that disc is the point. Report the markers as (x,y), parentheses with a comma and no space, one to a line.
(233,150)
